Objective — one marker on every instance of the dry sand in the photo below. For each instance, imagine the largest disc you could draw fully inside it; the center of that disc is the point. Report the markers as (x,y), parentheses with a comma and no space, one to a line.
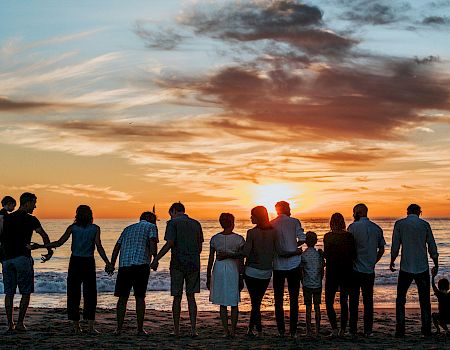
(49,329)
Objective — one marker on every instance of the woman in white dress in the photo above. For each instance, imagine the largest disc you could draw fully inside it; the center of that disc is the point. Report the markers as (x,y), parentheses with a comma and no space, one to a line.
(225,282)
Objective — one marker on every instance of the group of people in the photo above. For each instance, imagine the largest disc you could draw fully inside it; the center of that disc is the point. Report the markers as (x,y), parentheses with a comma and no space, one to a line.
(271,250)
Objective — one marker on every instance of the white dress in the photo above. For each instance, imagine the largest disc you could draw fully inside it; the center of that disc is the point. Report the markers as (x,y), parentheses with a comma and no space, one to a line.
(225,276)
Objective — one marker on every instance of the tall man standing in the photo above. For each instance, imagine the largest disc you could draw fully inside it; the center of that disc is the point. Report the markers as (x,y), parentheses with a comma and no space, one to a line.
(286,265)
(18,271)
(414,235)
(184,237)
(369,243)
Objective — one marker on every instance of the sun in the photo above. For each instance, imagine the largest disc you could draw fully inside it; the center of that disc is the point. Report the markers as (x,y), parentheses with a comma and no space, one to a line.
(269,194)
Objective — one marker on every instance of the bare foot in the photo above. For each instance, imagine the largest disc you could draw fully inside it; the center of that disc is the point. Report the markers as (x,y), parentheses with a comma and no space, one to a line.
(20,327)
(11,328)
(194,334)
(142,333)
(92,331)
(118,331)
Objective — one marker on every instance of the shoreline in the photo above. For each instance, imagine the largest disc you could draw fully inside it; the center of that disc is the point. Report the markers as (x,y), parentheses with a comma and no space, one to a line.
(50,329)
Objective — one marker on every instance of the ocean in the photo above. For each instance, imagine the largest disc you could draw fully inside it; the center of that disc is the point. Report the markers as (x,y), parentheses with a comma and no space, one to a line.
(50,277)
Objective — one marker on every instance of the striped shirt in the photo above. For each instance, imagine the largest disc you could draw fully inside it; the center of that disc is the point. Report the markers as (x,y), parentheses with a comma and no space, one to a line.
(312,264)
(134,243)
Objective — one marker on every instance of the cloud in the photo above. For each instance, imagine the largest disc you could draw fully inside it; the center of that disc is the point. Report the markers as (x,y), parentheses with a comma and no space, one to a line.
(374,12)
(163,39)
(435,20)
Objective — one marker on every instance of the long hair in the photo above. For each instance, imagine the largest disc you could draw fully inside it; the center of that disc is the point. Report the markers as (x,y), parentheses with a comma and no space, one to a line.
(262,217)
(337,222)
(83,216)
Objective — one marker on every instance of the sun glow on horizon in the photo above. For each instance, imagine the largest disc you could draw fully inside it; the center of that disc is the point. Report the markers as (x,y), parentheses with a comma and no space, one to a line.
(268,195)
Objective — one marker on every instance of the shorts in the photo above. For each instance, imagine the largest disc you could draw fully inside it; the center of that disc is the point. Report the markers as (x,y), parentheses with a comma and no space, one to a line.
(18,272)
(177,278)
(134,276)
(312,294)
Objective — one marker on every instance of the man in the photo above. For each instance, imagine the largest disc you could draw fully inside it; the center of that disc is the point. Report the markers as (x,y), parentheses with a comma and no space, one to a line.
(184,237)
(286,265)
(137,244)
(414,235)
(369,243)
(8,205)
(18,271)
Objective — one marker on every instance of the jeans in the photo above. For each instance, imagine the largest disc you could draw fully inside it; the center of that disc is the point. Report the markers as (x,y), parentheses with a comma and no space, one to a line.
(256,288)
(423,287)
(293,281)
(364,282)
(81,271)
(337,280)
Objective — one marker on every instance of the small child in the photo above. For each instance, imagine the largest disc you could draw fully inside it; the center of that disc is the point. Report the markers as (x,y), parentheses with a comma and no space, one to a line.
(8,205)
(442,318)
(313,267)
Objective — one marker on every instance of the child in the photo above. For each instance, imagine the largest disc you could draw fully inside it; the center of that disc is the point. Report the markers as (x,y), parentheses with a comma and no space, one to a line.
(313,267)
(441,318)
(8,205)
(224,281)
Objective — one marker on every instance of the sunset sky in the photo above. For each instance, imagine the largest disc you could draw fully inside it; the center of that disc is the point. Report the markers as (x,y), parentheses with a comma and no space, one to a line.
(224,105)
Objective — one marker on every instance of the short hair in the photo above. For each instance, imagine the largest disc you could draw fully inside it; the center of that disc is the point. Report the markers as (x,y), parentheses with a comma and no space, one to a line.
(83,216)
(282,207)
(337,222)
(8,200)
(226,220)
(177,207)
(27,197)
(148,216)
(414,209)
(361,209)
(443,284)
(311,238)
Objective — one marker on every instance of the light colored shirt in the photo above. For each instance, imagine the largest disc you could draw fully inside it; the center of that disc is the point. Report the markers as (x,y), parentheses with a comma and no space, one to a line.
(414,235)
(83,240)
(312,264)
(289,232)
(134,243)
(368,238)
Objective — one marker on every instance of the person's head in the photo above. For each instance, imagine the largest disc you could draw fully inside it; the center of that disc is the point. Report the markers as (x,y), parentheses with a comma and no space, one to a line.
(282,207)
(226,220)
(83,216)
(260,217)
(9,203)
(337,222)
(443,284)
(311,239)
(28,202)
(148,216)
(414,209)
(176,209)
(360,211)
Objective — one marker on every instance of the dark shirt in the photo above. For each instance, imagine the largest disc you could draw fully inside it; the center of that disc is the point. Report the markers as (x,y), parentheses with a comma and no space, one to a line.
(187,236)
(444,305)
(3,212)
(260,248)
(18,228)
(339,251)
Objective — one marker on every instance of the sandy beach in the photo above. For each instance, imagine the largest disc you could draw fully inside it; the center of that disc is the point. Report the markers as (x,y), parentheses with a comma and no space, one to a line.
(49,329)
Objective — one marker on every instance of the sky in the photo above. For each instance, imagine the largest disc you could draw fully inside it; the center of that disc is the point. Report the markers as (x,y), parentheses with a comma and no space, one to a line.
(224,105)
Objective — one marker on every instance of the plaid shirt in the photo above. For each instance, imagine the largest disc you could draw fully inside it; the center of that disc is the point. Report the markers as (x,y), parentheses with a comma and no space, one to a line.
(134,242)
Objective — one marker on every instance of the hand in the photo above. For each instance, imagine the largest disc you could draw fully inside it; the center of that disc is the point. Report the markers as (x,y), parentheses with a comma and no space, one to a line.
(241,282)
(33,246)
(320,251)
(434,270)
(46,257)
(154,265)
(392,267)
(300,251)
(109,269)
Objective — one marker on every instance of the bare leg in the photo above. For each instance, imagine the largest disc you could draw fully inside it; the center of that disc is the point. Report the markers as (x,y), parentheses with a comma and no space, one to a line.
(224,319)
(121,310)
(308,319)
(234,319)
(91,327)
(9,307)
(317,316)
(176,310)
(76,327)
(24,302)
(140,313)
(192,306)
(435,318)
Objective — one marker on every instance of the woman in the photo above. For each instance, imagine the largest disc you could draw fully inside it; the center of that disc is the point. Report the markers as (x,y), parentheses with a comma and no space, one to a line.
(259,249)
(339,252)
(85,237)
(224,283)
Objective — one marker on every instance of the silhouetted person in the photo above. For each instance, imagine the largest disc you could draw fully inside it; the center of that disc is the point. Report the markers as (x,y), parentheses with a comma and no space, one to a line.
(18,271)
(136,245)
(259,249)
(85,238)
(369,243)
(184,237)
(441,318)
(224,281)
(286,265)
(413,235)
(8,205)
(339,252)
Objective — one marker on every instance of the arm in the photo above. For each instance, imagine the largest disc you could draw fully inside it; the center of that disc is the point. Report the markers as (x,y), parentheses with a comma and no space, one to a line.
(56,244)
(300,233)
(114,255)
(432,250)
(395,247)
(433,284)
(380,253)
(209,268)
(200,240)
(100,249)
(44,235)
(169,244)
